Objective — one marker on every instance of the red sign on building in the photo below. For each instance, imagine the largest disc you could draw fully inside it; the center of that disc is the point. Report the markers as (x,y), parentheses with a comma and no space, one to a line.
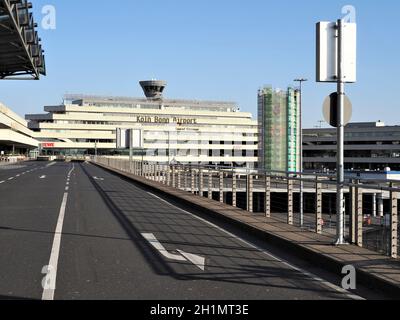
(47,145)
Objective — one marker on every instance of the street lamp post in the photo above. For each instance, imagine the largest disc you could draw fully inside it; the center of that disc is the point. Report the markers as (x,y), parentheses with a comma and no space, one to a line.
(300,81)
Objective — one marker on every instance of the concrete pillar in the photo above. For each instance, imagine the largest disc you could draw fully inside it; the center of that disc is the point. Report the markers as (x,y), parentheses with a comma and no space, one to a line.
(318,207)
(196,181)
(201,183)
(165,174)
(379,203)
(179,171)
(173,177)
(374,211)
(221,187)
(185,183)
(394,224)
(234,190)
(290,201)
(193,181)
(359,217)
(249,192)
(210,185)
(353,215)
(267,196)
(169,178)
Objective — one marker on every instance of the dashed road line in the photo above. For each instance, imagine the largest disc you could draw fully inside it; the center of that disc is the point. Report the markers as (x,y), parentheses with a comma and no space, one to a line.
(25,172)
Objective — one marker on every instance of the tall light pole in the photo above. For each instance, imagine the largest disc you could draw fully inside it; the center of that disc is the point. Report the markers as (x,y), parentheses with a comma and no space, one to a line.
(300,81)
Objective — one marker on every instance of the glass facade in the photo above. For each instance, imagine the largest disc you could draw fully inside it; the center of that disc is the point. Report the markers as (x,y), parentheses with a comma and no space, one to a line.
(368,146)
(279,132)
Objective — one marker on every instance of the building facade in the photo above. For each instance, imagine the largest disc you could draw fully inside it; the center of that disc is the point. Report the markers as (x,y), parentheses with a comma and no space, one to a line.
(279,130)
(15,137)
(368,146)
(182,131)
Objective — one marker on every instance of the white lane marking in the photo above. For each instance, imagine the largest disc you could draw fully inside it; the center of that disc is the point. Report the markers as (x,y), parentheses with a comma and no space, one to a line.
(70,172)
(1,182)
(9,179)
(198,261)
(50,164)
(18,175)
(160,248)
(48,292)
(43,177)
(66,188)
(96,178)
(306,273)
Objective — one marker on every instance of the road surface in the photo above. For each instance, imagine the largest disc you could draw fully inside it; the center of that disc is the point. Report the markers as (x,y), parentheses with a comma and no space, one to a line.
(75,231)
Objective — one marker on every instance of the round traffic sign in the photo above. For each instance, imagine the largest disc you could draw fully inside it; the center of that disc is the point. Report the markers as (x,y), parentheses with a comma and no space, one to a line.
(330,109)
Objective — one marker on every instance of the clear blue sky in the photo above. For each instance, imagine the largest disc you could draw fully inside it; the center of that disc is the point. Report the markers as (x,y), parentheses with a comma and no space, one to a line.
(210,49)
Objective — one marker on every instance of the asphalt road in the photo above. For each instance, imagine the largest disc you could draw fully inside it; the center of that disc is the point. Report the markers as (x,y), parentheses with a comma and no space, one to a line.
(106,238)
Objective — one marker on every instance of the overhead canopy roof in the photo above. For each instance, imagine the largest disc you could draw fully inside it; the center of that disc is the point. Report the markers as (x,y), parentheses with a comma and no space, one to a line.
(21,54)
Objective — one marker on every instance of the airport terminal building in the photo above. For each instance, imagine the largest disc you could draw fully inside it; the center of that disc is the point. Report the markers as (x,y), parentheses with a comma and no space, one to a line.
(181,131)
(368,146)
(15,137)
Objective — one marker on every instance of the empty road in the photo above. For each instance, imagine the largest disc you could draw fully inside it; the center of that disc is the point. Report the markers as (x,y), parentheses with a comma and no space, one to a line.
(72,231)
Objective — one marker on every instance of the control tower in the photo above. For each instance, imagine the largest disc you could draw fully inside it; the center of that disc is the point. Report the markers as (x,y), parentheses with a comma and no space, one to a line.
(153,89)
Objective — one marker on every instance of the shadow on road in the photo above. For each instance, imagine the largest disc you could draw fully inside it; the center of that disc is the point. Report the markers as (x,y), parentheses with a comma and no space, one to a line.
(229,261)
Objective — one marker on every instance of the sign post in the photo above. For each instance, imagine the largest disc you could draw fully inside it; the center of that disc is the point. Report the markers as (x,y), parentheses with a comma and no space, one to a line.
(336,62)
(340,209)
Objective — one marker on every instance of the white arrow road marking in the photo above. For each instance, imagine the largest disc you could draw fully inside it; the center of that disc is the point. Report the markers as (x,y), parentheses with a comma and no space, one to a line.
(198,261)
(43,177)
(183,256)
(306,273)
(157,245)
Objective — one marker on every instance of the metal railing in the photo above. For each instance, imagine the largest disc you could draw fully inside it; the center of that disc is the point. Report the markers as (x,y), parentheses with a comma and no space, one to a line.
(371,207)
